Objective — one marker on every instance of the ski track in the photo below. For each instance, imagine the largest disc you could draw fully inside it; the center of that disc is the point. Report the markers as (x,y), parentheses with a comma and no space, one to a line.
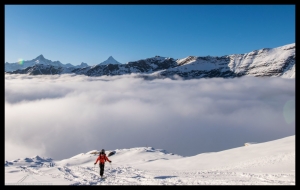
(78,175)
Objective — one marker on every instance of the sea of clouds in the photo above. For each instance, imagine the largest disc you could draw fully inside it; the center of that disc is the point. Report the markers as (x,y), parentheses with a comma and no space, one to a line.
(60,116)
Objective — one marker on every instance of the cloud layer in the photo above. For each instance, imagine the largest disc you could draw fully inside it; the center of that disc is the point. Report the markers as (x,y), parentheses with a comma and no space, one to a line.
(62,116)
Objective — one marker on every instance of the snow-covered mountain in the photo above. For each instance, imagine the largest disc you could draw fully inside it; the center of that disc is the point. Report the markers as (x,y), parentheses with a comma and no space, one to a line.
(110,60)
(39,60)
(267,62)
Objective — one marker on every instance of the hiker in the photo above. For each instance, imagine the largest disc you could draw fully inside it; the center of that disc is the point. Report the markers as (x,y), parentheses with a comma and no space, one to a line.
(102,158)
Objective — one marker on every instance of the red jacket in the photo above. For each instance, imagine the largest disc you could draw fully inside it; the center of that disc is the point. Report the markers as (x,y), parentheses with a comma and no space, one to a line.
(102,158)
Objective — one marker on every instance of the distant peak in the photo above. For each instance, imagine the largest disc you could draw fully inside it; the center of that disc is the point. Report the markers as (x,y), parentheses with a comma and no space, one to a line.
(110,60)
(83,64)
(40,57)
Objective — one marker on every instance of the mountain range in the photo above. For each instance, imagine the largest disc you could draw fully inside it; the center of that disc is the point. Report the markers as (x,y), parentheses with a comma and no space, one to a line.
(266,62)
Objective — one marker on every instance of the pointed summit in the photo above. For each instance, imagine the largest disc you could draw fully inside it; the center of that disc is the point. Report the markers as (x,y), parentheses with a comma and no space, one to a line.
(40,57)
(110,60)
(40,60)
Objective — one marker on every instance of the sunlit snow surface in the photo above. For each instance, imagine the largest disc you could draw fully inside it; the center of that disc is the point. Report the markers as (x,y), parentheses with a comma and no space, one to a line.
(268,163)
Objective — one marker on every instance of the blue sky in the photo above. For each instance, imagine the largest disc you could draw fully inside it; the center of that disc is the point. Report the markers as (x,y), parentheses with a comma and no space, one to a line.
(91,33)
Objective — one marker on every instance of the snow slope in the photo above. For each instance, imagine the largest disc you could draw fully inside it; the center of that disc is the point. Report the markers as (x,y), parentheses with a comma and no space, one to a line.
(268,163)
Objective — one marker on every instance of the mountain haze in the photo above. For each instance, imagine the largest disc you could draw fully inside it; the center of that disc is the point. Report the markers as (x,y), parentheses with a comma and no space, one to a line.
(39,60)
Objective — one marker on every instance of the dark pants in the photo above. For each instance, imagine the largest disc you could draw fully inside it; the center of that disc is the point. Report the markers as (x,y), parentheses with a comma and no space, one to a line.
(101,165)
